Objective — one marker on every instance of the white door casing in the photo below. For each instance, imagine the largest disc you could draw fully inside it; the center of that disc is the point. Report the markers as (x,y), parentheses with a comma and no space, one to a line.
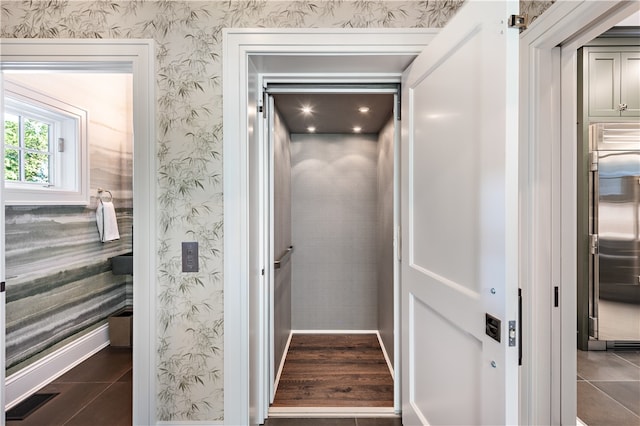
(137,56)
(319,53)
(548,201)
(460,222)
(2,270)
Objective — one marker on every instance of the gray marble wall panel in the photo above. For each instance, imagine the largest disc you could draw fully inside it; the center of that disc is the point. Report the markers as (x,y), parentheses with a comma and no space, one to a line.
(59,279)
(385,237)
(334,216)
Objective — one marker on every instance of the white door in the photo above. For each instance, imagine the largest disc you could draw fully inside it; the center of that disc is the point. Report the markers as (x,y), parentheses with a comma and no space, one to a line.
(459,218)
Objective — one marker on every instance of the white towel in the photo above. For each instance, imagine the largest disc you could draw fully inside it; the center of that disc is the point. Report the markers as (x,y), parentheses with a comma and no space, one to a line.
(107,222)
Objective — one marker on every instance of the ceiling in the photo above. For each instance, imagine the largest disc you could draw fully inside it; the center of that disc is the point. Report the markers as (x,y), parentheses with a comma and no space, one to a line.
(334,113)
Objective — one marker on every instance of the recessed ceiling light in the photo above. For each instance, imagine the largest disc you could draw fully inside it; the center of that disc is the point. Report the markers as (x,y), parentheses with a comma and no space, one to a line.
(363,109)
(306,109)
(311,129)
(357,129)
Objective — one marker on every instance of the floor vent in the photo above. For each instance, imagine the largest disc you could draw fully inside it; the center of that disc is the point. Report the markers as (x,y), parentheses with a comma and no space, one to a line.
(623,345)
(28,406)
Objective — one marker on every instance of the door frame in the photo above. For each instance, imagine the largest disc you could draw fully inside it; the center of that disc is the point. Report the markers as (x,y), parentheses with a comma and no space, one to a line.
(542,134)
(266,141)
(98,55)
(323,54)
(548,170)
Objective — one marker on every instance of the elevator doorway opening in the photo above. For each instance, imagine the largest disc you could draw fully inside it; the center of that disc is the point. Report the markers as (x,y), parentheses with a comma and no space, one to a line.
(332,232)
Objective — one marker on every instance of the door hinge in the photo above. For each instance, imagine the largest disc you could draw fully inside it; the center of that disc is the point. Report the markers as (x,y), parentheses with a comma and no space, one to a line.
(593,243)
(2,286)
(263,104)
(519,21)
(556,296)
(399,103)
(593,161)
(60,144)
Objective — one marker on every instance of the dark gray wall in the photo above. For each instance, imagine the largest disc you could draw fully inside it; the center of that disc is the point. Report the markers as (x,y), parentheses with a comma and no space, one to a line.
(334,221)
(385,253)
(282,237)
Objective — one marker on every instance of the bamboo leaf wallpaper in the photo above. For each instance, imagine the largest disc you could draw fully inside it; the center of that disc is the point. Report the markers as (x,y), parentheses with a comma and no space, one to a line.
(189,146)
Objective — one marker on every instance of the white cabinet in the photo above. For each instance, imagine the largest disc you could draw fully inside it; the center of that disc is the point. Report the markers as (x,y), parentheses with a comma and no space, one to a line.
(630,83)
(612,81)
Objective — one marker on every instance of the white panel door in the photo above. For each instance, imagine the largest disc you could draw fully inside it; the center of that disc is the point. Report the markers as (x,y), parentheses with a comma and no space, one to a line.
(459,218)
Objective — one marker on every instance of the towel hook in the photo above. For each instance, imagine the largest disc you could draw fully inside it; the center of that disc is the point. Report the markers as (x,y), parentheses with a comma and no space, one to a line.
(100,194)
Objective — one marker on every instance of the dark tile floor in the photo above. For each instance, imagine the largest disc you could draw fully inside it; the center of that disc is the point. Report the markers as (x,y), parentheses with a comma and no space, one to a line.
(609,388)
(96,392)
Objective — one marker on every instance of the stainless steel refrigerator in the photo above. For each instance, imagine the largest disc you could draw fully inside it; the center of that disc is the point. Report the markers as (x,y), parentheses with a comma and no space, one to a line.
(615,234)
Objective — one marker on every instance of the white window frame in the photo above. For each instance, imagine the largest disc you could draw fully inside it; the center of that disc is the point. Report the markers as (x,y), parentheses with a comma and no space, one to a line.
(69,174)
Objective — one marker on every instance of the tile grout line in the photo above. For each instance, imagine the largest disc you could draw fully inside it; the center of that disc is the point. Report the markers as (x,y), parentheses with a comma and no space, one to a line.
(123,374)
(624,359)
(614,400)
(111,383)
(87,404)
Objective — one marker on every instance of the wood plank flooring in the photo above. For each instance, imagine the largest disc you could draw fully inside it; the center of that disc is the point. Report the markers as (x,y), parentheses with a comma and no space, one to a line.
(334,370)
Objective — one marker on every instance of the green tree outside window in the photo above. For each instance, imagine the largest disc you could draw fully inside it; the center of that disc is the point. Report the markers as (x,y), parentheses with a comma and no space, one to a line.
(27,157)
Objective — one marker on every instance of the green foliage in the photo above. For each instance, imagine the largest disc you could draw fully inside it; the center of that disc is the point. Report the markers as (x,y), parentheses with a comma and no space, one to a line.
(11,156)
(36,138)
(11,165)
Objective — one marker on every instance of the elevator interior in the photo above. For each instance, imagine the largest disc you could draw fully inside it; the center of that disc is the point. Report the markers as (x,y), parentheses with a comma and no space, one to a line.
(333,203)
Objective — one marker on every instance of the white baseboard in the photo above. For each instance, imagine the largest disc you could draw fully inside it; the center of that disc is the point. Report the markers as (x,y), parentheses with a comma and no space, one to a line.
(29,380)
(281,367)
(190,422)
(386,356)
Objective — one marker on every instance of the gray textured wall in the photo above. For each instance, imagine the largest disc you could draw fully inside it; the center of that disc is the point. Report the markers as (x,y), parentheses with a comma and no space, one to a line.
(334,218)
(282,237)
(59,280)
(385,253)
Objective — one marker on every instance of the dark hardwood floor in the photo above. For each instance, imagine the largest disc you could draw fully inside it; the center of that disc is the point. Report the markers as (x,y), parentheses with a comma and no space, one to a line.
(96,392)
(335,370)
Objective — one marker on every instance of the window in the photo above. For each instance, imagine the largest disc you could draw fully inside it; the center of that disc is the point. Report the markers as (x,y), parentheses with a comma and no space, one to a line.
(45,144)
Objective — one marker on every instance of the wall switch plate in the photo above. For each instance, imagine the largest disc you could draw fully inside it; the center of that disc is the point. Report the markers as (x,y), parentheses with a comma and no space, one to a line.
(190,256)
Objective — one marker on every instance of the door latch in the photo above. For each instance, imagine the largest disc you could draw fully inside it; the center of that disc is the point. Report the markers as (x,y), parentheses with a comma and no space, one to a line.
(512,333)
(493,327)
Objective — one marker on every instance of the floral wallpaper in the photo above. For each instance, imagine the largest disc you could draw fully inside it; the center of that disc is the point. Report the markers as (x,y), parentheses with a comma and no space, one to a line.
(189,119)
